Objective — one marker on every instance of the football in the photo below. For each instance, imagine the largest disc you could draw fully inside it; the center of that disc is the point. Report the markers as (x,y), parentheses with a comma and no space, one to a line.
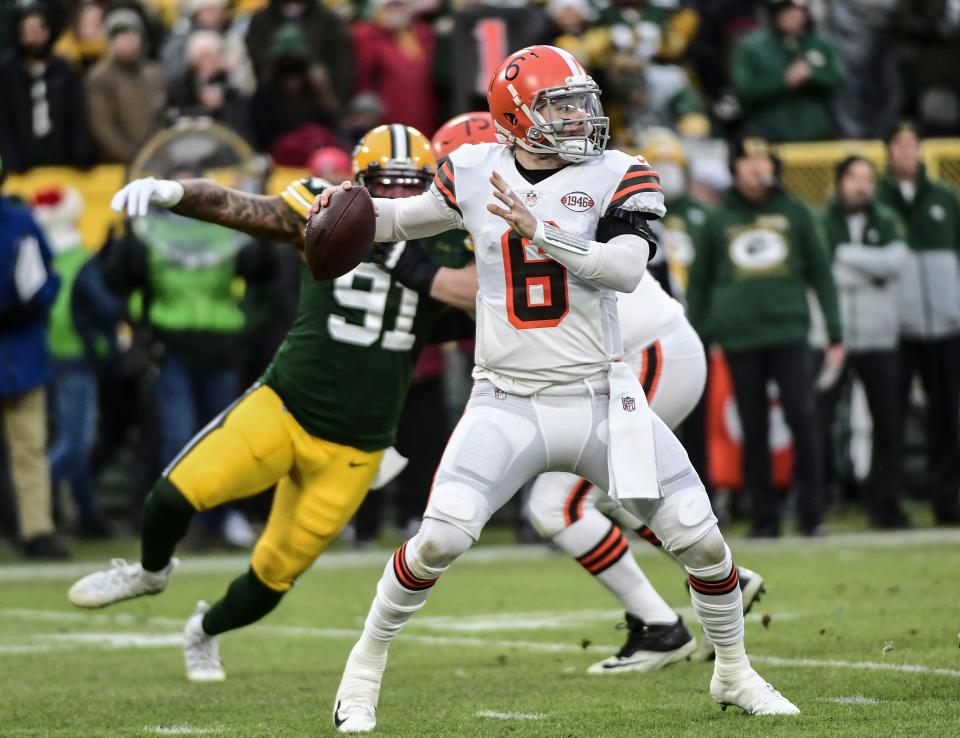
(341,234)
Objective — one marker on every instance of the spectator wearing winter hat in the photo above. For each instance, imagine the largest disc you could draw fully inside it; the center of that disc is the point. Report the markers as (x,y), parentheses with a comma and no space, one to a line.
(786,75)
(326,37)
(293,108)
(84,42)
(42,113)
(206,89)
(929,307)
(211,16)
(126,93)
(760,251)
(330,163)
(73,391)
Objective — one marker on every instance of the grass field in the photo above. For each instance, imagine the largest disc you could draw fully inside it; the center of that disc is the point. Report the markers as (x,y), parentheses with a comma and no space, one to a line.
(861,632)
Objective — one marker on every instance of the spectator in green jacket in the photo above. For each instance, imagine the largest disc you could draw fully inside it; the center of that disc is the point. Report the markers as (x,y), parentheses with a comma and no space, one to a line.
(929,307)
(786,75)
(748,285)
(869,249)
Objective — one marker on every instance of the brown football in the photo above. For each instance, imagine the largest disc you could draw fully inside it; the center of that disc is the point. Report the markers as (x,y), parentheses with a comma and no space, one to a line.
(341,235)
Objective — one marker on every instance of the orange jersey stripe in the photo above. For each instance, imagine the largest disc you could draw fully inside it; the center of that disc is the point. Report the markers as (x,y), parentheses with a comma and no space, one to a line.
(637,175)
(635,188)
(656,375)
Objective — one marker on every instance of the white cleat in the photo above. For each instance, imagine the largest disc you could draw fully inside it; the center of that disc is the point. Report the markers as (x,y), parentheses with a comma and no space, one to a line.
(752,694)
(201,654)
(122,581)
(751,587)
(355,708)
(355,715)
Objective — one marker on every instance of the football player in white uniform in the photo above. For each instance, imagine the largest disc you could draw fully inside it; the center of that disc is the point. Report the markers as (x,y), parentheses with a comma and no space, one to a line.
(661,347)
(566,231)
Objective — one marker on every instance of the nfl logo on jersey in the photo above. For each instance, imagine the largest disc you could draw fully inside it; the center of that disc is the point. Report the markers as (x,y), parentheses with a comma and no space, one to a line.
(629,403)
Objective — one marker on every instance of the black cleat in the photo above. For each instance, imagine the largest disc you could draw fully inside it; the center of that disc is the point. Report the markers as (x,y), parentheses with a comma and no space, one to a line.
(648,647)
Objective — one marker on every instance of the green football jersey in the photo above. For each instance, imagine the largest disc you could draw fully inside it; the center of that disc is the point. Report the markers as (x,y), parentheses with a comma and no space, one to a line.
(345,366)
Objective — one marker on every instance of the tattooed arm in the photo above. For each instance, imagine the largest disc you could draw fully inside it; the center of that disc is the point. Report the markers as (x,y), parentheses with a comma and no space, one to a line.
(269,218)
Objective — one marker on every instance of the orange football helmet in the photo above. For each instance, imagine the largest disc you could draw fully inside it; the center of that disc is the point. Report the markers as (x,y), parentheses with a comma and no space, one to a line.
(467,128)
(542,100)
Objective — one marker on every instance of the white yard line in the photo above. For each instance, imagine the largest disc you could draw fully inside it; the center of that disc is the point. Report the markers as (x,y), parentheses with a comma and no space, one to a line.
(514,621)
(17,648)
(482,555)
(510,715)
(116,640)
(455,641)
(332,561)
(857,699)
(858,665)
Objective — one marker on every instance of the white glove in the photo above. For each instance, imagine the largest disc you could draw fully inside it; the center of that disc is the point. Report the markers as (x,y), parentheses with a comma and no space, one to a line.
(138,195)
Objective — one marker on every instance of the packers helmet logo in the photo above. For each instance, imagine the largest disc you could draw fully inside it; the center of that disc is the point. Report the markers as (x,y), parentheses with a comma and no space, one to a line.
(758,250)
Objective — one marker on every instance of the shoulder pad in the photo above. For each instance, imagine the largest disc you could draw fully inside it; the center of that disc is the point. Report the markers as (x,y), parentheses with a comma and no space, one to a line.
(470,155)
(638,186)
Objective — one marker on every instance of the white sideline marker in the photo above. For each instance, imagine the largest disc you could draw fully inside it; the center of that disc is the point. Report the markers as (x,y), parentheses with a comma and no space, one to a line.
(182,730)
(494,715)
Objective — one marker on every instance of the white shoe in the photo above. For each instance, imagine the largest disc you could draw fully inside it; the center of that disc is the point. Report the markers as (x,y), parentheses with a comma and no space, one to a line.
(752,694)
(201,655)
(122,581)
(355,715)
(751,587)
(355,708)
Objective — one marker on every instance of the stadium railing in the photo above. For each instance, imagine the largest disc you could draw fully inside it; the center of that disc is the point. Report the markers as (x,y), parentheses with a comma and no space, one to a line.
(808,172)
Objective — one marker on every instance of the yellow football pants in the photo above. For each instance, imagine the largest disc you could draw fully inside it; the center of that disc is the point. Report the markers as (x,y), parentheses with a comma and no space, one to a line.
(256,443)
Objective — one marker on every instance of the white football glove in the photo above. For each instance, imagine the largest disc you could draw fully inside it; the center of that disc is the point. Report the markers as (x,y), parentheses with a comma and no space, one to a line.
(137,196)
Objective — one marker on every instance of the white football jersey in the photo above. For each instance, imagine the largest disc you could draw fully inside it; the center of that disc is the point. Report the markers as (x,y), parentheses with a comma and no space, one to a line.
(646,315)
(536,323)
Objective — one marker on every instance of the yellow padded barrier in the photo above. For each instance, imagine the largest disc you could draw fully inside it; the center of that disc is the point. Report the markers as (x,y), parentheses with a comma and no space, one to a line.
(97,186)
(808,168)
(807,172)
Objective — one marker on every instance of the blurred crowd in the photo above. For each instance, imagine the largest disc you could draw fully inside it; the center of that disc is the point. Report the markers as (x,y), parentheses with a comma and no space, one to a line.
(102,343)
(87,81)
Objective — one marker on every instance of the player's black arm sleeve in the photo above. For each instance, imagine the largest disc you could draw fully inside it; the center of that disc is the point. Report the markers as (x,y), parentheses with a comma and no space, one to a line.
(407,262)
(620,222)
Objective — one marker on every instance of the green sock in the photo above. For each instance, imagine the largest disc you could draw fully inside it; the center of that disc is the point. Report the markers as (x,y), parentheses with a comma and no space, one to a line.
(166,519)
(246,601)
